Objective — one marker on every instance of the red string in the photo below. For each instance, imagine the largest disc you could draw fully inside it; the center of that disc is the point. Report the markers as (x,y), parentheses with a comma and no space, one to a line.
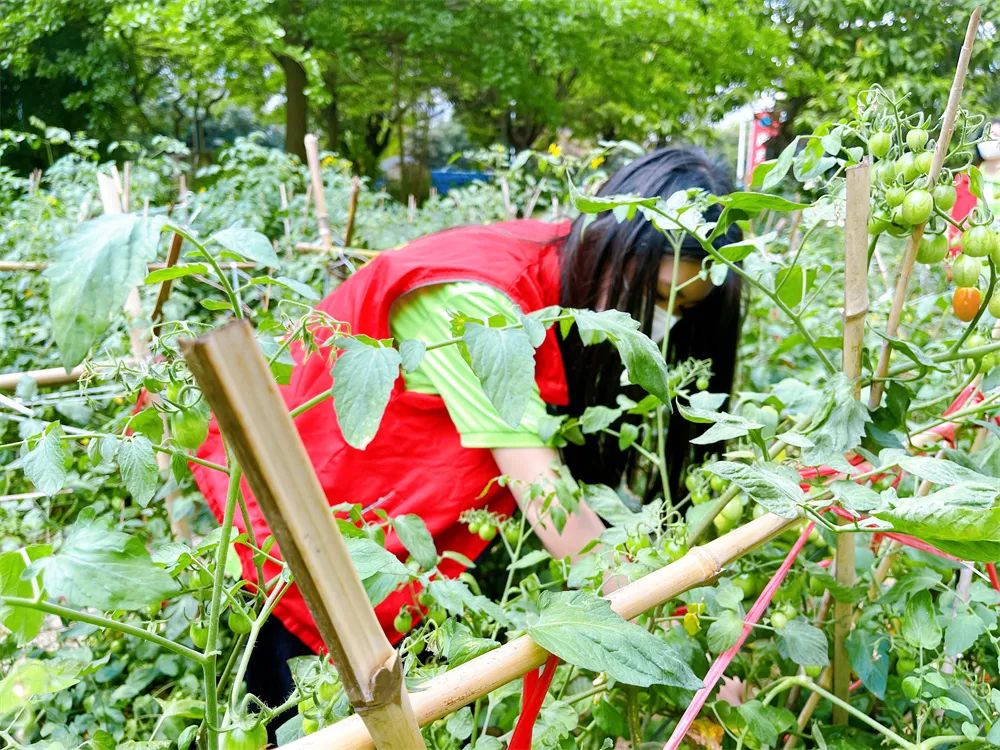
(536,687)
(992,570)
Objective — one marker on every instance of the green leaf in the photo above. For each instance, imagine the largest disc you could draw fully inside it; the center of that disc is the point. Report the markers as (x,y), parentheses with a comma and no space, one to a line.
(839,427)
(90,277)
(140,473)
(804,644)
(44,464)
(640,355)
(912,352)
(766,723)
(947,704)
(593,204)
(363,377)
(30,678)
(976,182)
(725,631)
(380,571)
(102,568)
(940,471)
(459,724)
(784,162)
(792,284)
(774,486)
(417,539)
(920,627)
(504,361)
(961,632)
(596,418)
(247,244)
(606,503)
(176,272)
(582,629)
(149,422)
(869,655)
(25,624)
(854,496)
(461,646)
(963,512)
(456,597)
(411,353)
(292,285)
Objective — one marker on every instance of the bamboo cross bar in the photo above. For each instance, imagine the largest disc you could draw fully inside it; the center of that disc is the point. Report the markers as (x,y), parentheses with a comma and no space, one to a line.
(47,376)
(238,385)
(309,247)
(462,685)
(319,199)
(13,266)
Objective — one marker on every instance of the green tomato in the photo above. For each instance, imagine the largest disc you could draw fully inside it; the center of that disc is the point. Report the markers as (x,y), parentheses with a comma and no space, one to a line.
(895,196)
(965,270)
(253,738)
(813,671)
(768,415)
(309,726)
(189,428)
(326,691)
(923,161)
(425,599)
(674,550)
(116,646)
(691,482)
(699,496)
(702,383)
(512,533)
(977,242)
(437,615)
(945,196)
(905,666)
(933,249)
(723,525)
(879,144)
(878,224)
(239,621)
(748,584)
(789,610)
(474,527)
(816,586)
(199,635)
(403,622)
(917,207)
(994,307)
(916,139)
(487,532)
(912,686)
(306,705)
(906,168)
(779,620)
(717,483)
(733,510)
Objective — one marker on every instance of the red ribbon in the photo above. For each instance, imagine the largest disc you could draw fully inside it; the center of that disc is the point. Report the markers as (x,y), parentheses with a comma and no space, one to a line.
(536,687)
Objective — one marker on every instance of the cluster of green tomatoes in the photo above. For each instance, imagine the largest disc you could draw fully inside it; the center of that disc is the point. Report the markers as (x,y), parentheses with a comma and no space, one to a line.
(906,199)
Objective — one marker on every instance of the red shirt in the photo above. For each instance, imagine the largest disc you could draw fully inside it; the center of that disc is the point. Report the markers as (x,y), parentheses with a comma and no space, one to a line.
(415,463)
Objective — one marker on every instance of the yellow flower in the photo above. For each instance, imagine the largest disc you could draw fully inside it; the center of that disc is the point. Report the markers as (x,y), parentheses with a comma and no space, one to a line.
(328,161)
(596,162)
(555,149)
(202,190)
(28,293)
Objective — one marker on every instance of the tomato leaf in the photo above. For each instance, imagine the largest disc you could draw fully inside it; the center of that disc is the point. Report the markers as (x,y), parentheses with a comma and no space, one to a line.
(25,624)
(869,655)
(176,272)
(411,353)
(45,463)
(91,274)
(582,629)
(140,473)
(417,539)
(380,571)
(504,361)
(766,723)
(774,486)
(29,678)
(804,644)
(961,632)
(248,244)
(363,377)
(98,567)
(920,627)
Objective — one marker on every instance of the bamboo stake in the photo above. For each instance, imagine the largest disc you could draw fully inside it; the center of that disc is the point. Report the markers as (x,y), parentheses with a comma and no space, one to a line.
(126,186)
(161,298)
(316,175)
(940,152)
(286,221)
(308,247)
(462,685)
(238,385)
(13,266)
(47,376)
(855,309)
(411,208)
(352,209)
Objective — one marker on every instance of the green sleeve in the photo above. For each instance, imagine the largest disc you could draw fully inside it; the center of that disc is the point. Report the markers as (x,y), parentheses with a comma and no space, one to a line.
(425,314)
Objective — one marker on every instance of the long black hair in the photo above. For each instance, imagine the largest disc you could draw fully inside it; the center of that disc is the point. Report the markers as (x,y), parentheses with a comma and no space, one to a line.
(617,264)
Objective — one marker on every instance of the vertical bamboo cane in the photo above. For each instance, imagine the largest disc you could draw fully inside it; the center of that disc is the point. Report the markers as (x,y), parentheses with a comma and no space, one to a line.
(352,210)
(855,309)
(235,379)
(161,297)
(903,282)
(319,198)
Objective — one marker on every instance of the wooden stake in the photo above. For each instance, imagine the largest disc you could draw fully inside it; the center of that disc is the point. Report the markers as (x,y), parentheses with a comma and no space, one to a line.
(855,309)
(161,298)
(352,209)
(462,685)
(411,208)
(47,376)
(238,385)
(940,152)
(13,266)
(316,176)
(308,247)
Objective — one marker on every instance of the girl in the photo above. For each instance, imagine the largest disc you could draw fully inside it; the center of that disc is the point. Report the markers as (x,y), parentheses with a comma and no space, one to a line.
(441,442)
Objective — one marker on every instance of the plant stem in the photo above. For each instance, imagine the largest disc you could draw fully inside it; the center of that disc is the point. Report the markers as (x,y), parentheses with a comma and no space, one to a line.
(269,604)
(307,405)
(219,272)
(67,613)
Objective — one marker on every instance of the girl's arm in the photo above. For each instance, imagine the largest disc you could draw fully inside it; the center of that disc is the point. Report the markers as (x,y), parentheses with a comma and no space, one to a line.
(527,465)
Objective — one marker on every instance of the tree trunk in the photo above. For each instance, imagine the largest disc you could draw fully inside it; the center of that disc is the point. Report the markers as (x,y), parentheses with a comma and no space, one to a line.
(331,114)
(296,106)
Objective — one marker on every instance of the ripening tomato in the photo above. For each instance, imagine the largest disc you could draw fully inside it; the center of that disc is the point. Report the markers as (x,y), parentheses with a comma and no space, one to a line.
(966,302)
(977,241)
(879,144)
(917,207)
(945,196)
(916,139)
(933,249)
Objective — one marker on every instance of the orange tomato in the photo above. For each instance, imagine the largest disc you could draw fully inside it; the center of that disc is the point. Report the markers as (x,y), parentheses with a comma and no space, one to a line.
(966,302)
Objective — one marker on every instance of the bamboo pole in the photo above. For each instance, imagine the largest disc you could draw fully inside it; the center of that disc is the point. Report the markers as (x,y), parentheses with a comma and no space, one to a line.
(352,209)
(462,685)
(43,377)
(910,255)
(15,266)
(161,298)
(855,309)
(238,385)
(316,175)
(308,247)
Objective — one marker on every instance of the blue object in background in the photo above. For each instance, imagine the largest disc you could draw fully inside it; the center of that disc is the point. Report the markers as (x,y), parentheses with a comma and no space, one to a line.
(445,179)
